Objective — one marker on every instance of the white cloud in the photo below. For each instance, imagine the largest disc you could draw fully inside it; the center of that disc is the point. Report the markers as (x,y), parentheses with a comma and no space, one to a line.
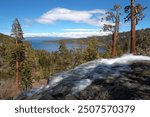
(80,29)
(92,17)
(79,34)
(75,34)
(37,34)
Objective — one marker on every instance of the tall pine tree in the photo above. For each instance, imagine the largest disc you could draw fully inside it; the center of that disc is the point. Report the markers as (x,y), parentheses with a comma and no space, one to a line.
(135,14)
(17,33)
(114,17)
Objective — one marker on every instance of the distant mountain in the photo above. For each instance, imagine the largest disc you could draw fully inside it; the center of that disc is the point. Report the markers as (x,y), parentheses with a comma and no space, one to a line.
(44,38)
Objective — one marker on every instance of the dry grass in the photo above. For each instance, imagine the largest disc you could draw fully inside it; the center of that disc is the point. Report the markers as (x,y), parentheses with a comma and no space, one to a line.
(7,89)
(38,84)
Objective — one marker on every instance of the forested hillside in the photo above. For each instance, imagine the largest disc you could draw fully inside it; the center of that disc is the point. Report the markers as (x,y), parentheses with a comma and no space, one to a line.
(40,64)
(37,64)
(143,41)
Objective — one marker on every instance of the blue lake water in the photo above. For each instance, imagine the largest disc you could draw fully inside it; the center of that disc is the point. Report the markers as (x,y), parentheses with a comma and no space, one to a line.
(41,45)
(38,43)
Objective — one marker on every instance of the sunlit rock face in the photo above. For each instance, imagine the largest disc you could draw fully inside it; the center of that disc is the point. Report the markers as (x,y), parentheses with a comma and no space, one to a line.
(127,77)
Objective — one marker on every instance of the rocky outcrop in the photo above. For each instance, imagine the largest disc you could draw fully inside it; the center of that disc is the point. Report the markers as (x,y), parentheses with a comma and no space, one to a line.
(122,78)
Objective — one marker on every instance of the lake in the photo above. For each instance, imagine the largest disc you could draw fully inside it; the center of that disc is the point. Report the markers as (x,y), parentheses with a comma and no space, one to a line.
(40,44)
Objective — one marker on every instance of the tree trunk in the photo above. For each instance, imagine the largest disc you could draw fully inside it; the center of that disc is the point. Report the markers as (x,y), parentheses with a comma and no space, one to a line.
(133,33)
(113,54)
(17,71)
(115,35)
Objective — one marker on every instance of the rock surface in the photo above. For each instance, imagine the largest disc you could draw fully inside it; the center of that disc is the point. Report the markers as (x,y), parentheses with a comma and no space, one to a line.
(124,78)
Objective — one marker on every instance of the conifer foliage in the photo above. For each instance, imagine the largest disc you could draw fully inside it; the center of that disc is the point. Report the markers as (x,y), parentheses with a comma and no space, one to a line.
(91,52)
(65,58)
(17,31)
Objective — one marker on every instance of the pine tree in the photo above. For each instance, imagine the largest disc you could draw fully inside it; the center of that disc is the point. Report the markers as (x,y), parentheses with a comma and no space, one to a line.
(114,17)
(62,47)
(91,52)
(25,73)
(64,59)
(17,33)
(135,14)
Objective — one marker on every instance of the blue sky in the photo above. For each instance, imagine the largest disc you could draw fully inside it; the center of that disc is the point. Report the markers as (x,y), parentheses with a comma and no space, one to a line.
(62,18)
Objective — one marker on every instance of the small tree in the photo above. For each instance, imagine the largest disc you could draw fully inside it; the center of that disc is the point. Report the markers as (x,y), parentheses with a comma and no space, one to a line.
(62,47)
(25,74)
(114,17)
(135,14)
(91,52)
(17,33)
(64,59)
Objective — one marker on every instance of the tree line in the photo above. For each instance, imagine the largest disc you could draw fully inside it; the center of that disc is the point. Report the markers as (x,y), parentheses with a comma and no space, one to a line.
(26,65)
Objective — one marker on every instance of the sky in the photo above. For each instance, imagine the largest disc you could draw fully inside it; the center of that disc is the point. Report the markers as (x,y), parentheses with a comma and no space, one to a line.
(63,18)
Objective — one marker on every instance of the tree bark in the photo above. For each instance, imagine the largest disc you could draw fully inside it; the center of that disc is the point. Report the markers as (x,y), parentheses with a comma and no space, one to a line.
(115,35)
(113,54)
(17,71)
(133,28)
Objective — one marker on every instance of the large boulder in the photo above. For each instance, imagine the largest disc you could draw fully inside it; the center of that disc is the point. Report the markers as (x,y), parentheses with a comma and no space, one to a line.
(127,77)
